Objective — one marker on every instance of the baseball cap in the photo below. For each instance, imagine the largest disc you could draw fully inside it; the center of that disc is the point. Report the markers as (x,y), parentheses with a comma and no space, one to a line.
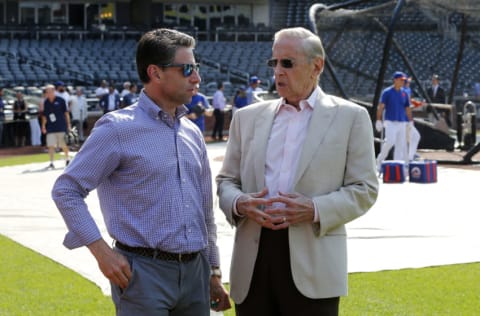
(399,74)
(254,79)
(59,83)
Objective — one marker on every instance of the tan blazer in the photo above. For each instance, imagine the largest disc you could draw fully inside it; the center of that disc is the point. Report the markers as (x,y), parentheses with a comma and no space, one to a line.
(336,169)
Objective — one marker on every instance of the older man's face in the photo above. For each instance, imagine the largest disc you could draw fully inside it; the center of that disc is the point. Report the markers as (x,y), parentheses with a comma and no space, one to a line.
(297,82)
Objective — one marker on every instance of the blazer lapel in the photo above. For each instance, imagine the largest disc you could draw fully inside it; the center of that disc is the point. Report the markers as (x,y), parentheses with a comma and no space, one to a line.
(320,122)
(263,126)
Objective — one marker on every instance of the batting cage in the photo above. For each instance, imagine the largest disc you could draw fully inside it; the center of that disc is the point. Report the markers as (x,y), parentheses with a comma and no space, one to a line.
(366,41)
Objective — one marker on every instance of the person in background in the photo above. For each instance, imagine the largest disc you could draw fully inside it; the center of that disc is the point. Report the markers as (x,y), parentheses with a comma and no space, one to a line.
(35,130)
(197,108)
(396,103)
(131,97)
(102,89)
(43,136)
(149,165)
(126,89)
(413,136)
(435,92)
(239,99)
(20,115)
(110,101)
(254,87)
(437,95)
(219,103)
(55,124)
(62,92)
(271,88)
(2,115)
(476,89)
(79,111)
(19,107)
(296,170)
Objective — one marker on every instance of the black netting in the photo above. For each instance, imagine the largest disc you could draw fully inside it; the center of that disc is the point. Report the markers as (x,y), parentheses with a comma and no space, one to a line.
(426,40)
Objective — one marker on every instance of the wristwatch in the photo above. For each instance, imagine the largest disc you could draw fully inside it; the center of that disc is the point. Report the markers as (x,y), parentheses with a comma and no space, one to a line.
(215,271)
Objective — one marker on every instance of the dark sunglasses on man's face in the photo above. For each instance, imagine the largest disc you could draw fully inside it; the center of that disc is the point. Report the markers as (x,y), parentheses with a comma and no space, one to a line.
(187,69)
(285,63)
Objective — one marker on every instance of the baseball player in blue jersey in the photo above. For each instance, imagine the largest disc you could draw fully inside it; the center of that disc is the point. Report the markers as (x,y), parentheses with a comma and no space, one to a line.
(395,101)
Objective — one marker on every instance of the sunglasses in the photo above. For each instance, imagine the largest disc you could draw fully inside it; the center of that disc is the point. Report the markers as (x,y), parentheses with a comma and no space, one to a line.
(187,69)
(285,63)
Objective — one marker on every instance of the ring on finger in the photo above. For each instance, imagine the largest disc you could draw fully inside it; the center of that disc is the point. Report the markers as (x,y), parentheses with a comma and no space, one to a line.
(284,219)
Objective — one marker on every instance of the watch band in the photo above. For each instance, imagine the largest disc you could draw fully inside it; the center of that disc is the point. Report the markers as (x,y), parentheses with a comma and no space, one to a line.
(216,272)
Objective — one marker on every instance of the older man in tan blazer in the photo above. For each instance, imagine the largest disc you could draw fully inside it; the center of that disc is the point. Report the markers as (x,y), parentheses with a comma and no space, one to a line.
(296,170)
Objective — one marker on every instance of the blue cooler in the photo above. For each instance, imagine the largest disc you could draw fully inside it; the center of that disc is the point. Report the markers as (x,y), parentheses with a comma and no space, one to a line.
(423,171)
(393,171)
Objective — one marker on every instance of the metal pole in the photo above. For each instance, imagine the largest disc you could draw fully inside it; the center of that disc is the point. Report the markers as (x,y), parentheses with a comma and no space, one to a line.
(459,59)
(386,52)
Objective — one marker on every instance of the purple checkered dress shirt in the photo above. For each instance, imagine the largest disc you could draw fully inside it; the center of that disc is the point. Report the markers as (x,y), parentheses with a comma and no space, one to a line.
(153,180)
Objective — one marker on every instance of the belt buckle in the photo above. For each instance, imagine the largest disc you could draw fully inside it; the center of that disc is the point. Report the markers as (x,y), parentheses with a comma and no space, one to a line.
(179,257)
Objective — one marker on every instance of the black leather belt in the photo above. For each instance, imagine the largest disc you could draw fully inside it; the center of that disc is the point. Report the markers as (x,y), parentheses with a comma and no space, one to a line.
(157,254)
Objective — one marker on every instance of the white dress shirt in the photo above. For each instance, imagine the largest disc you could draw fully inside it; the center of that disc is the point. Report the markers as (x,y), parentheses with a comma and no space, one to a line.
(218,101)
(78,107)
(285,145)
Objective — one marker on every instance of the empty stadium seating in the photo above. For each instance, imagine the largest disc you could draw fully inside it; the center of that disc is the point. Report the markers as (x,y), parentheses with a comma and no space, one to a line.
(355,54)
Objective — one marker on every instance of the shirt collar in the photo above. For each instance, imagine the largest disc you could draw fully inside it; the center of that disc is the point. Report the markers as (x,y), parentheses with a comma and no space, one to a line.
(310,101)
(156,112)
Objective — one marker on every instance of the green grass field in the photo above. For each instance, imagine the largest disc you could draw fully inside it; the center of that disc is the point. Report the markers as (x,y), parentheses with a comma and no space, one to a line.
(35,285)
(26,159)
(31,284)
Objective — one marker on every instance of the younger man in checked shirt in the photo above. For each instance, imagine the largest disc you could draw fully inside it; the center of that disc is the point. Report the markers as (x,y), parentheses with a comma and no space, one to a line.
(150,167)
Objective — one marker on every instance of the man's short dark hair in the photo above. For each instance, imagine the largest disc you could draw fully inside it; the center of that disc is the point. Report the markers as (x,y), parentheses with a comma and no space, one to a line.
(158,47)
